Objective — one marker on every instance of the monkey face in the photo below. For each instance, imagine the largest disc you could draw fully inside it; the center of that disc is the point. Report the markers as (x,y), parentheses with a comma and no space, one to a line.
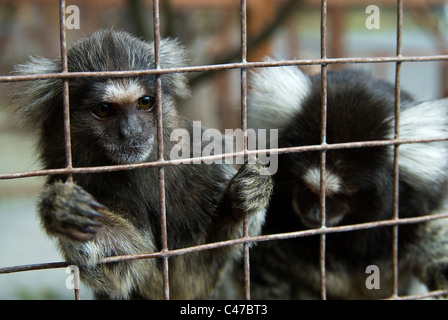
(117,118)
(112,120)
(306,199)
(356,186)
(306,191)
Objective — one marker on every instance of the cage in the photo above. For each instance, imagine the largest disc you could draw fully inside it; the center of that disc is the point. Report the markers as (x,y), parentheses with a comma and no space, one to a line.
(327,41)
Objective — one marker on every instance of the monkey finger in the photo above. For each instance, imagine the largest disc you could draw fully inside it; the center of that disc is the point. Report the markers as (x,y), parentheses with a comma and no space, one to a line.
(96,205)
(87,200)
(85,224)
(83,233)
(68,220)
(94,223)
(78,235)
(83,209)
(93,214)
(77,194)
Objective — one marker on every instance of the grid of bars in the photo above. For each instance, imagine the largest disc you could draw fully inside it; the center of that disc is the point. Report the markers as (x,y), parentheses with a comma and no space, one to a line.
(244,65)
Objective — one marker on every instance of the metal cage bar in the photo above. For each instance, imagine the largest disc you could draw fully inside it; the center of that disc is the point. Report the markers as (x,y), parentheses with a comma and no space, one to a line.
(323,153)
(66,107)
(243,5)
(244,65)
(162,205)
(396,191)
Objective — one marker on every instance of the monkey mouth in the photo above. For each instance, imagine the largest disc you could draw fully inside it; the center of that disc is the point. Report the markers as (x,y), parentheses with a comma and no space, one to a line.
(129,154)
(312,217)
(136,154)
(315,222)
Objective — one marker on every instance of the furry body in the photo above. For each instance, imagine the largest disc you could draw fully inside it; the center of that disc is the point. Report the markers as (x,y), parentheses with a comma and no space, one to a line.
(359,185)
(115,213)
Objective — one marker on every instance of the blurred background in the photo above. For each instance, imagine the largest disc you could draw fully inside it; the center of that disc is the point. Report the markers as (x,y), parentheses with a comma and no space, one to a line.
(286,29)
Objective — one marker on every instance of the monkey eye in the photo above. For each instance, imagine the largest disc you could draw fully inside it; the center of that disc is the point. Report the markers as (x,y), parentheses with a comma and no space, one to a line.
(103,110)
(146,103)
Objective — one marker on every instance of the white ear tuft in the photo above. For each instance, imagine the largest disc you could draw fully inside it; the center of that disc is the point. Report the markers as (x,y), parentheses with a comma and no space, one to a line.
(424,162)
(33,101)
(276,94)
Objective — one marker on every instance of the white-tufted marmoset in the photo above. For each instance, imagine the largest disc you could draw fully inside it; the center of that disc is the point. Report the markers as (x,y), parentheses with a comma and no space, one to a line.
(114,121)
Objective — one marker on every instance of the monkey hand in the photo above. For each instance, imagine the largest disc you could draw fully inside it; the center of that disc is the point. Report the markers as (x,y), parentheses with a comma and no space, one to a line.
(69,211)
(436,275)
(250,191)
(429,255)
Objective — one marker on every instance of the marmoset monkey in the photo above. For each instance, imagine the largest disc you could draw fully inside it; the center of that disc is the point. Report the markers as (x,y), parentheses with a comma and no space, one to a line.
(113,121)
(358,189)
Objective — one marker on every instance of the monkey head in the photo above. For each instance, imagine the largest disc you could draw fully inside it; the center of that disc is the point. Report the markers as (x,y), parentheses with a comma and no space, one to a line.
(113,119)
(359,181)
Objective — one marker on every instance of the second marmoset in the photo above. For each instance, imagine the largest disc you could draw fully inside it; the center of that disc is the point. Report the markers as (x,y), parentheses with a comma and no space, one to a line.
(359,185)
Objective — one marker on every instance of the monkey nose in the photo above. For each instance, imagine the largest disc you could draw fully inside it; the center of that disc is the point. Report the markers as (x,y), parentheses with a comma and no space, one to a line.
(130,127)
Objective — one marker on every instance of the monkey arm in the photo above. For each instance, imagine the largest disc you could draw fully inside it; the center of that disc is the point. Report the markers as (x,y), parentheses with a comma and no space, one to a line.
(247,194)
(87,233)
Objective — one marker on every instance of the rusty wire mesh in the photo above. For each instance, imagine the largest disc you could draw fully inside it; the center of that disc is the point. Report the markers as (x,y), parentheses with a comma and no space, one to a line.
(243,66)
